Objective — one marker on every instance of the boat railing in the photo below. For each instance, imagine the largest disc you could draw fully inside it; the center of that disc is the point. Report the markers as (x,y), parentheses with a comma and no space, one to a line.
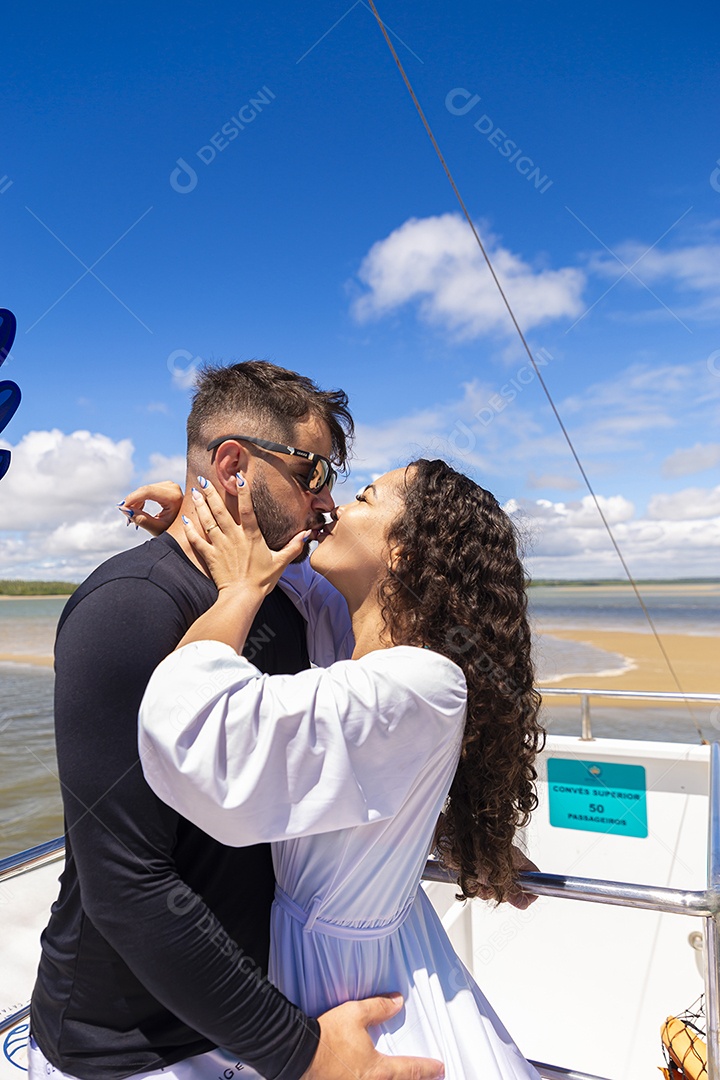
(698,903)
(704,904)
(662,696)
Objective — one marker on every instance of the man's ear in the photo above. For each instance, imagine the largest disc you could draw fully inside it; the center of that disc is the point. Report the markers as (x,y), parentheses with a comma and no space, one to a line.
(232,457)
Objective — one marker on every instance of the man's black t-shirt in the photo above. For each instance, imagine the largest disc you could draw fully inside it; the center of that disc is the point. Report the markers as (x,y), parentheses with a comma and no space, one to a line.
(157,945)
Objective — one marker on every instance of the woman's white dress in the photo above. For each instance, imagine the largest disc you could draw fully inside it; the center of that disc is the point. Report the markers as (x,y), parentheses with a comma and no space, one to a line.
(345,770)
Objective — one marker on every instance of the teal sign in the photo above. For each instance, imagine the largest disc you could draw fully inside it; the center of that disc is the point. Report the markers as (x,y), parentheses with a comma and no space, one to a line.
(597,796)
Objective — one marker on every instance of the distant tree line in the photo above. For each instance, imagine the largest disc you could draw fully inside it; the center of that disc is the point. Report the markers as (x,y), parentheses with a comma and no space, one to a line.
(37,588)
(599,582)
(67,588)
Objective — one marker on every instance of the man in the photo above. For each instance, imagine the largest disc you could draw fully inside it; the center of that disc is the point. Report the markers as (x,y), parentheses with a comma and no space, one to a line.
(156,947)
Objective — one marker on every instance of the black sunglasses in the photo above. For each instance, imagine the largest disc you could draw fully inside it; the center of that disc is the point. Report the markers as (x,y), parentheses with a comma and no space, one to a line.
(321,473)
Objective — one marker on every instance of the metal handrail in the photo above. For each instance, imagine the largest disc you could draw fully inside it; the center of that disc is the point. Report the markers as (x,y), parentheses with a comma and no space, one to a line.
(32,858)
(585,693)
(641,695)
(702,904)
(13,1018)
(712,925)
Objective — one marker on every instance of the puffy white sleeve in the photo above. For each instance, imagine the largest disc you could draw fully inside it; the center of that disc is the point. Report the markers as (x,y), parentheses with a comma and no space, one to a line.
(329,630)
(249,757)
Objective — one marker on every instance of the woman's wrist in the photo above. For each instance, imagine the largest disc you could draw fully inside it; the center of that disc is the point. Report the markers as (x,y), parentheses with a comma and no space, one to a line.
(230,618)
(243,593)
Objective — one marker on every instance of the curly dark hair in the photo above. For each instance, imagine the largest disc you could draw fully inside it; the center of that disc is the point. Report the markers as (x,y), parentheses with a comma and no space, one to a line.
(459,588)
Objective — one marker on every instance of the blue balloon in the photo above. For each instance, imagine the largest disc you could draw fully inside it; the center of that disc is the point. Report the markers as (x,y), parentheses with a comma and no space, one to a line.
(8,327)
(10,397)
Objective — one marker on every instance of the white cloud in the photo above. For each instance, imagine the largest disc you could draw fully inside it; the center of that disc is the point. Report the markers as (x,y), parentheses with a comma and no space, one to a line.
(499,445)
(566,542)
(694,459)
(557,481)
(692,271)
(164,467)
(583,514)
(695,267)
(506,428)
(56,478)
(426,433)
(58,514)
(691,505)
(436,262)
(68,552)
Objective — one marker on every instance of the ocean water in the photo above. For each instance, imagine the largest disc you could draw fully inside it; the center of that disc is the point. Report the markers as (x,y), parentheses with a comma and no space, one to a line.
(27,627)
(673,609)
(30,805)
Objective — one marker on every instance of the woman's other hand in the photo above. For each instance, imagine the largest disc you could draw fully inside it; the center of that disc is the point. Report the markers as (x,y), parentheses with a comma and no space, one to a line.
(517,898)
(235,553)
(166,493)
(522,864)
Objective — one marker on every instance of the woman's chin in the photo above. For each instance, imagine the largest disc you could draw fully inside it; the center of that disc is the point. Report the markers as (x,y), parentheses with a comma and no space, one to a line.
(316,559)
(320,562)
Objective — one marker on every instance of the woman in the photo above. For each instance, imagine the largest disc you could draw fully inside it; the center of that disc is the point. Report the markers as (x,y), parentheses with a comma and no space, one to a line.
(434,714)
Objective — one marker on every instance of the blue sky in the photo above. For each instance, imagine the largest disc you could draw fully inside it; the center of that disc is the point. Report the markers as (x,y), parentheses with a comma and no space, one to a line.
(324,236)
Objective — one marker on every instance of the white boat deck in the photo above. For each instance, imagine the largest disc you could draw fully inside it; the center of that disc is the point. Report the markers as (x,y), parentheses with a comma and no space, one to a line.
(584,986)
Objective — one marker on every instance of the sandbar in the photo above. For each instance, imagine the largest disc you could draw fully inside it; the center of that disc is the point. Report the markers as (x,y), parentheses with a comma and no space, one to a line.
(696,661)
(26,658)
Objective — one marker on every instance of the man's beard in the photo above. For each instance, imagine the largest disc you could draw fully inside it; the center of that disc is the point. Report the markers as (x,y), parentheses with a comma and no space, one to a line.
(274,522)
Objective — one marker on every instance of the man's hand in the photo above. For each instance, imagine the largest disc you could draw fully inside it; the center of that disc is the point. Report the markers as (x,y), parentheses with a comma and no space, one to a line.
(346,1051)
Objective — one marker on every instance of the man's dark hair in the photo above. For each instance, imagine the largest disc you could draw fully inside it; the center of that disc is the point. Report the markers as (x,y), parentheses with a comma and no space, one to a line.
(268,401)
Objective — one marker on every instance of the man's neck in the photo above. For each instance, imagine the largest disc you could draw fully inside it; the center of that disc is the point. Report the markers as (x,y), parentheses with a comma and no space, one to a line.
(177,531)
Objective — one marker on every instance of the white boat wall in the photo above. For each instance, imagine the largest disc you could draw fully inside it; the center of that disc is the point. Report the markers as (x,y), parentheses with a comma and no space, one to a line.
(584,986)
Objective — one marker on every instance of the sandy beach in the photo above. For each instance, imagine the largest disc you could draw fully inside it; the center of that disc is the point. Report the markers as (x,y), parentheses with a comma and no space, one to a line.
(27,658)
(696,661)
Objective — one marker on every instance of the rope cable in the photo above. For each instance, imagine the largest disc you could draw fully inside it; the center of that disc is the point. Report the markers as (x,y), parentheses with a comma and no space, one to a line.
(531,358)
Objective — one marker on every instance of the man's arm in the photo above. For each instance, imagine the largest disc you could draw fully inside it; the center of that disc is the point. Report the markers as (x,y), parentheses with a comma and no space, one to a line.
(122,838)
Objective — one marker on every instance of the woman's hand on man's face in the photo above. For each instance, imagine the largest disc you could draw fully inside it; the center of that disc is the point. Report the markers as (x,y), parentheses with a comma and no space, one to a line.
(235,552)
